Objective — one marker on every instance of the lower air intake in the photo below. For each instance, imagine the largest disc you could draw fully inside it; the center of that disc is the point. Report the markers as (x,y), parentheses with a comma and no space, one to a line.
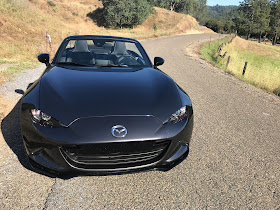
(115,155)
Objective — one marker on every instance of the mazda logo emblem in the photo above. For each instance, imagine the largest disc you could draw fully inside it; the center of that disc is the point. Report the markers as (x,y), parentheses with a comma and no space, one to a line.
(119,131)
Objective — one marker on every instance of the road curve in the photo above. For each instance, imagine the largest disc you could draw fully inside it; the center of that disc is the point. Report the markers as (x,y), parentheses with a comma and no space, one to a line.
(234,155)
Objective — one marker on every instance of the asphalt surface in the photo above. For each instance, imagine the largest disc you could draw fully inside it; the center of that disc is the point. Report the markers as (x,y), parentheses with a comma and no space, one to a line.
(234,155)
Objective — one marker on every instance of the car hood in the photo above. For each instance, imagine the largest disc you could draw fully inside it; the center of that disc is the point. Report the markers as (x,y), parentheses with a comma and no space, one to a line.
(68,95)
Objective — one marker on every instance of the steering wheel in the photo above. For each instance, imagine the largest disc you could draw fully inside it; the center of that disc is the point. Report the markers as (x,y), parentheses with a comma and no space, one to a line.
(128,60)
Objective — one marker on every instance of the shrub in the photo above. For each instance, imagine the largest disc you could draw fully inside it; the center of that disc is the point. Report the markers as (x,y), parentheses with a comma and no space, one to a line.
(51,3)
(277,91)
(155,27)
(125,13)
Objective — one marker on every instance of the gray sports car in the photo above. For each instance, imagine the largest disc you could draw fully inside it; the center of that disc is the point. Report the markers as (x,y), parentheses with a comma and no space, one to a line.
(102,106)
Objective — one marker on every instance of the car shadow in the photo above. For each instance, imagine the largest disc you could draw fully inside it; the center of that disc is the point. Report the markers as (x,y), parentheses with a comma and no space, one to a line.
(10,128)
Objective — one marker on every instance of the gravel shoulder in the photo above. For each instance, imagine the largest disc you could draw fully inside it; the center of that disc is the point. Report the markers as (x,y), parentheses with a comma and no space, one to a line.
(234,155)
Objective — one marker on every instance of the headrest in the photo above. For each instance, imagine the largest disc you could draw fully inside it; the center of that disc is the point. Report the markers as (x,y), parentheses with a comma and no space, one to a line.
(120,48)
(81,46)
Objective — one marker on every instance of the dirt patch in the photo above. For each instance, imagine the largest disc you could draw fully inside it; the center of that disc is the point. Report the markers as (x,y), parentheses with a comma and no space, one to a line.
(207,30)
(193,49)
(3,78)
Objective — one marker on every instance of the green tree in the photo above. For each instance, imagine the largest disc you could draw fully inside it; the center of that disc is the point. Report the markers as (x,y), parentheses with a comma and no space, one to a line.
(262,16)
(189,7)
(125,13)
(168,4)
(220,18)
(275,18)
(201,11)
(254,16)
(196,8)
(246,20)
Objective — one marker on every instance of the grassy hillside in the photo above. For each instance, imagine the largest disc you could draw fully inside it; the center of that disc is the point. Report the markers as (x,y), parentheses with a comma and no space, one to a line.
(23,25)
(263,68)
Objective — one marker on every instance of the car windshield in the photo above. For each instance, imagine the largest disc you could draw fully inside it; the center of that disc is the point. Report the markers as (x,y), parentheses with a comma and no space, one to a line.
(102,53)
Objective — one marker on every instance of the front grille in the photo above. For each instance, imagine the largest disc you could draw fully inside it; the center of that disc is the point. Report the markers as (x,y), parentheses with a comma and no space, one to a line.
(115,155)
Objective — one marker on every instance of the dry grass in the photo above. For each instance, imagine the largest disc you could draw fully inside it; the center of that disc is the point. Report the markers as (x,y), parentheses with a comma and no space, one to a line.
(167,23)
(263,68)
(23,25)
(259,49)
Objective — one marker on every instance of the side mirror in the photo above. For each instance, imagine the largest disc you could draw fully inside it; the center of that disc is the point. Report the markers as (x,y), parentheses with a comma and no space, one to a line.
(44,58)
(158,61)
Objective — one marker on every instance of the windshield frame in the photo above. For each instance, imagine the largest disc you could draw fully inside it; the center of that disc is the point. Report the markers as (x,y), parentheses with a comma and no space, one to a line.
(92,37)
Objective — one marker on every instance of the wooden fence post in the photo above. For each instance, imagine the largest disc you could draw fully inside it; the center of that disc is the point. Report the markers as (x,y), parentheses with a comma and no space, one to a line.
(228,60)
(244,69)
(224,55)
(219,49)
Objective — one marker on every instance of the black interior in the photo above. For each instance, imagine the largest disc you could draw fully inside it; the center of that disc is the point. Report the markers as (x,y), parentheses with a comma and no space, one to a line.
(100,53)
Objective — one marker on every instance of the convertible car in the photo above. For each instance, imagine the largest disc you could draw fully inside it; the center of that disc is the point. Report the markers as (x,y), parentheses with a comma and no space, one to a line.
(101,106)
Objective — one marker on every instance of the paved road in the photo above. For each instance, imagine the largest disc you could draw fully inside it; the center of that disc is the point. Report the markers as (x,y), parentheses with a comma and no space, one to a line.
(233,161)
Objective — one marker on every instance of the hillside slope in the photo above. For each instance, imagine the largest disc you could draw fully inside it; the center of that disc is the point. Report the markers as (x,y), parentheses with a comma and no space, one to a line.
(23,25)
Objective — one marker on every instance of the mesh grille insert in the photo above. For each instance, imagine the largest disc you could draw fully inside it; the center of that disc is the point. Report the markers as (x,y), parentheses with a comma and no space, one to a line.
(115,155)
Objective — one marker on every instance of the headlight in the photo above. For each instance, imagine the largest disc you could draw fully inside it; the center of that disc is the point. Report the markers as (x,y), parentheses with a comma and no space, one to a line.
(43,119)
(178,116)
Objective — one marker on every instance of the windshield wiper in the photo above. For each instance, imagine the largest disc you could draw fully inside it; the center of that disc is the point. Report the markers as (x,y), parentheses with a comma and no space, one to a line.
(112,65)
(72,63)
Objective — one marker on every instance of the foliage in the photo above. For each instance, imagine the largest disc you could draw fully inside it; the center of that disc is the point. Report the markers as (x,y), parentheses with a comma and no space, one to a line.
(218,10)
(125,13)
(252,18)
(196,8)
(51,3)
(275,16)
(155,26)
(220,18)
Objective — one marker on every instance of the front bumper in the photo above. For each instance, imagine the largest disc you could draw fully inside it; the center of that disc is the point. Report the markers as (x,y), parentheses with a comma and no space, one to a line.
(50,156)
(42,164)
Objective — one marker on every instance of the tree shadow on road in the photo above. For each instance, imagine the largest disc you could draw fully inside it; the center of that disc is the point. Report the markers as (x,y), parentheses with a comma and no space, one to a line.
(97,17)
